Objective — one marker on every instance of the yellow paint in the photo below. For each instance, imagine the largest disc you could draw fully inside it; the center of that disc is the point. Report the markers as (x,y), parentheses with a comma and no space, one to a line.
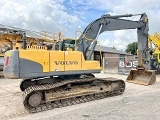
(39,56)
(90,64)
(15,41)
(56,56)
(59,60)
(155,39)
(8,53)
(75,58)
(17,45)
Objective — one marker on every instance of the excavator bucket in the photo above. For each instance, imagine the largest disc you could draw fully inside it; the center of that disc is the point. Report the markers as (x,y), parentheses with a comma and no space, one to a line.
(142,77)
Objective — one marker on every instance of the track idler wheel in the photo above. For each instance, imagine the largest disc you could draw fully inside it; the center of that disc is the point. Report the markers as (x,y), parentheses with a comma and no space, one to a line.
(35,99)
(25,84)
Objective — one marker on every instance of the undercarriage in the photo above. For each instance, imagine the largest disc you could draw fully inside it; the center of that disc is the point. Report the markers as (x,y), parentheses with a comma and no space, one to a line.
(37,98)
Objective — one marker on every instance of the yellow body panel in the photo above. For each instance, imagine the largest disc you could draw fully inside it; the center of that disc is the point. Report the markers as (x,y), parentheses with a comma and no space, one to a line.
(73,60)
(56,56)
(90,64)
(59,60)
(39,56)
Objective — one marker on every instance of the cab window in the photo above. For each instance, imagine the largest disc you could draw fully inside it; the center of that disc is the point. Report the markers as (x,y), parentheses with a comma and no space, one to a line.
(68,45)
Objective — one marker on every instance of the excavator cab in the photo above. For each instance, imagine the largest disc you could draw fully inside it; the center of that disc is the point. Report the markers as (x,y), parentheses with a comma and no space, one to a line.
(68,45)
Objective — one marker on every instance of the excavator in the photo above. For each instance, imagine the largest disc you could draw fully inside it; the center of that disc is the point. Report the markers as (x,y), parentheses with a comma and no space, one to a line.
(62,77)
(155,39)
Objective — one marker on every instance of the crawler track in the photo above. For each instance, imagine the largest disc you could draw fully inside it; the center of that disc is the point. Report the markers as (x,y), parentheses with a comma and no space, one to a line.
(74,99)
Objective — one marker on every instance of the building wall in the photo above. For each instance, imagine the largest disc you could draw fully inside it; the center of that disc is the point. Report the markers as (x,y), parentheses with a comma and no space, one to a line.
(110,62)
(126,64)
(128,58)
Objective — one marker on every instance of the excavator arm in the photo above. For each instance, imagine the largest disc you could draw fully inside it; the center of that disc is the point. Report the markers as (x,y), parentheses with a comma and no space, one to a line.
(110,23)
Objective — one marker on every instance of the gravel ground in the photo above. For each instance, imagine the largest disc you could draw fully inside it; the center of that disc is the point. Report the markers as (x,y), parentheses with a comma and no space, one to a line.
(137,103)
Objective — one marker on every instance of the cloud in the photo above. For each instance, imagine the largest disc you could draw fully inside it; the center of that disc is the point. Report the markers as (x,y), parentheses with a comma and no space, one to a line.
(133,7)
(150,8)
(46,15)
(119,39)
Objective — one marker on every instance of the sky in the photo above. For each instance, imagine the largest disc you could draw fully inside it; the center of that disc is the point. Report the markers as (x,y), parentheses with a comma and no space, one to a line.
(68,16)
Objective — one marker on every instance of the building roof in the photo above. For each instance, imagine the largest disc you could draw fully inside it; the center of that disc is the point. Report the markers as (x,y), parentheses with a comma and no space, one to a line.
(110,50)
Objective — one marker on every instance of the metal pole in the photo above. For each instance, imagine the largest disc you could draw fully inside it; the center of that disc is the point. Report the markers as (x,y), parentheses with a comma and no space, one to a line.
(24,40)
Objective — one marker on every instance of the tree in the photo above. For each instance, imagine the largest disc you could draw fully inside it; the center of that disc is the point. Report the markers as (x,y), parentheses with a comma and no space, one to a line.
(132,47)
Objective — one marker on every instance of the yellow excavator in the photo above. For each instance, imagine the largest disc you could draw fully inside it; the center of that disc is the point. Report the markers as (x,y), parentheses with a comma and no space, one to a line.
(155,39)
(61,76)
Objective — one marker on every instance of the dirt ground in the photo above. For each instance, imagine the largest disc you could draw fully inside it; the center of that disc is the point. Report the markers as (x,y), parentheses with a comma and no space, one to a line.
(137,103)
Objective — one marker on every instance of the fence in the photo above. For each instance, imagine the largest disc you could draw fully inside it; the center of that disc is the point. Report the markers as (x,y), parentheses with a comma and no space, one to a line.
(118,65)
